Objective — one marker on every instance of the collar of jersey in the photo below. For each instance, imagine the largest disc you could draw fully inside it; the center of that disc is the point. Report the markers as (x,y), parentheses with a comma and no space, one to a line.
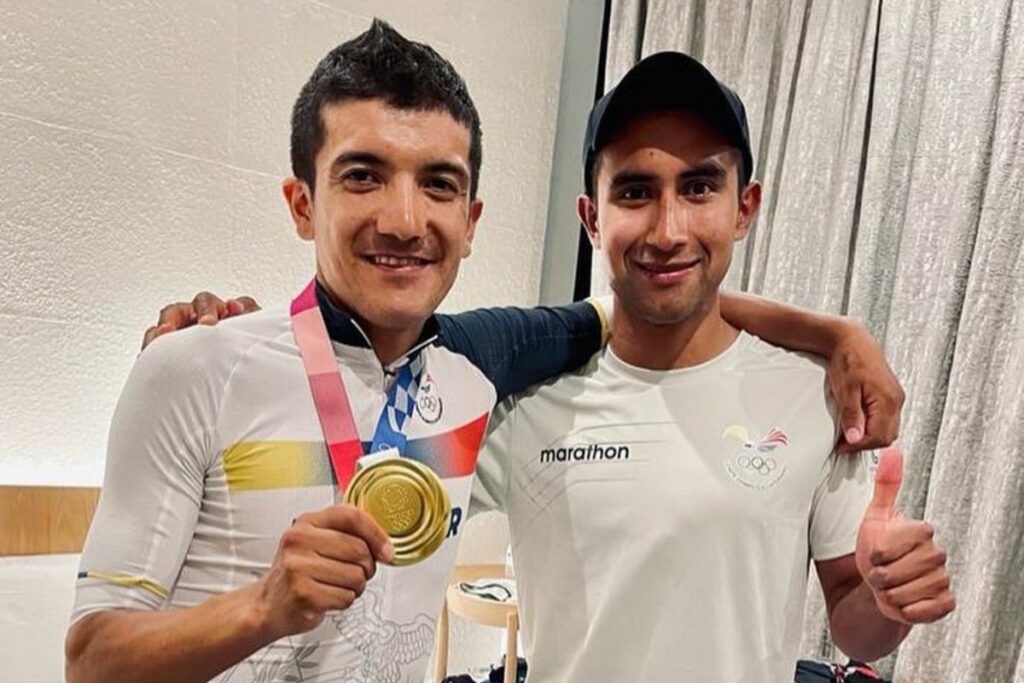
(343,328)
(646,375)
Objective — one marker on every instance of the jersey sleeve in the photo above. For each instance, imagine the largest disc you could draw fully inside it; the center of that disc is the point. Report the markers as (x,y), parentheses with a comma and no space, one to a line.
(839,503)
(519,347)
(491,481)
(157,456)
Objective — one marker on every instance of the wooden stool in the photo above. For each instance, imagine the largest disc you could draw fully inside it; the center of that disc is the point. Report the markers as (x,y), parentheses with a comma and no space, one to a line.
(479,611)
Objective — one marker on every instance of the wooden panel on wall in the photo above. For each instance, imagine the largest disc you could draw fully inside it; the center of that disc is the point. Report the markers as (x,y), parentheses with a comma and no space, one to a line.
(44,520)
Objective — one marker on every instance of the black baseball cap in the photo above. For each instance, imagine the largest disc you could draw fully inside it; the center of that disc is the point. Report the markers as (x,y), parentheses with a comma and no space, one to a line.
(667,80)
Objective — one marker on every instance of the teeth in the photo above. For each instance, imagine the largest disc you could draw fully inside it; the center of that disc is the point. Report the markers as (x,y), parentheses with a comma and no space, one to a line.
(396,261)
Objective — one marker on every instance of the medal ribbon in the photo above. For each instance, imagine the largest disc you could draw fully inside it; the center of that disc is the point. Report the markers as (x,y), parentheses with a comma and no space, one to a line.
(333,409)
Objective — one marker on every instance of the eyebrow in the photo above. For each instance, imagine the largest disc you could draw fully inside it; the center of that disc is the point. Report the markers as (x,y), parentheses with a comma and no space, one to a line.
(371,159)
(368,158)
(448,167)
(711,169)
(631,177)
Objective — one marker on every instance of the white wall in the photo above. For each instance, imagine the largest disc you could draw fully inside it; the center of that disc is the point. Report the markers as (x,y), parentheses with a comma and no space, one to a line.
(141,149)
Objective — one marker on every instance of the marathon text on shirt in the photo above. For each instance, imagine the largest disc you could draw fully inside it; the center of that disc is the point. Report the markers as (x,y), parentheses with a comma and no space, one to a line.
(584,453)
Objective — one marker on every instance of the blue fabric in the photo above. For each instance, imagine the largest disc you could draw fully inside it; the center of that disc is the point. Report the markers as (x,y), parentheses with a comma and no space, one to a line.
(519,347)
(514,347)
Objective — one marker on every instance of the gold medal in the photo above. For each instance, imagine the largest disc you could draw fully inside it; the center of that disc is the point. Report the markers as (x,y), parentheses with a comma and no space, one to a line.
(408,500)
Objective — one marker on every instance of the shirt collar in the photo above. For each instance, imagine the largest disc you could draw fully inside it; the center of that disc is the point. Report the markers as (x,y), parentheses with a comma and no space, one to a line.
(343,328)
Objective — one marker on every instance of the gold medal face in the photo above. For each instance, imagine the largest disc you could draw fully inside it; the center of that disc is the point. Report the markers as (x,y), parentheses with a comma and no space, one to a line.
(408,500)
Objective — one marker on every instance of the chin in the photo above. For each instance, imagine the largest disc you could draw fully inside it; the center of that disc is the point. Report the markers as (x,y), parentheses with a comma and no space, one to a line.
(398,317)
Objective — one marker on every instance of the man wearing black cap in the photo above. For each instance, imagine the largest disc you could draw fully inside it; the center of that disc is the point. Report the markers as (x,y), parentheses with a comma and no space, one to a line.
(664,501)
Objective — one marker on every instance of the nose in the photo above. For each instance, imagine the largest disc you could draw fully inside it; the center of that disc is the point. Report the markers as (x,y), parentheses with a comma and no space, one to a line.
(401,216)
(670,229)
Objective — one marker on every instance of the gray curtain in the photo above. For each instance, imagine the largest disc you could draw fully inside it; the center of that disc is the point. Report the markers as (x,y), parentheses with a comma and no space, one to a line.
(889,137)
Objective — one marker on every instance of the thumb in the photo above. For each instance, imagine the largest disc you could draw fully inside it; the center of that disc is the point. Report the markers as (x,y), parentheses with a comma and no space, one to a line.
(888,478)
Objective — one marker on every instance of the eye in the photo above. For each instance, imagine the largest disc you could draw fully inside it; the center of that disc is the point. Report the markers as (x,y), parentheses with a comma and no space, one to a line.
(634,193)
(699,189)
(442,187)
(359,179)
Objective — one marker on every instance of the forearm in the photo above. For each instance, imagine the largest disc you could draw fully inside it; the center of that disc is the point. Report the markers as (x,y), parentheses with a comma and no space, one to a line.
(860,630)
(783,325)
(176,646)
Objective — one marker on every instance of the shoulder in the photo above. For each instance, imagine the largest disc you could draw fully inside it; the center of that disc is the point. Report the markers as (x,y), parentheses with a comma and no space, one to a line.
(563,392)
(757,355)
(205,356)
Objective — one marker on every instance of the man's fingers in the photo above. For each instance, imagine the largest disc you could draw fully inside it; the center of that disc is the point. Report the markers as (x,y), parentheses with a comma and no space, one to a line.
(882,422)
(177,315)
(338,574)
(851,414)
(903,546)
(888,479)
(344,547)
(927,611)
(328,598)
(930,585)
(233,307)
(354,521)
(209,308)
(248,304)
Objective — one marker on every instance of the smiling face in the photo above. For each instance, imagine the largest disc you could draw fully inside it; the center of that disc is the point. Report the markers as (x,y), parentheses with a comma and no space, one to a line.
(391,217)
(667,212)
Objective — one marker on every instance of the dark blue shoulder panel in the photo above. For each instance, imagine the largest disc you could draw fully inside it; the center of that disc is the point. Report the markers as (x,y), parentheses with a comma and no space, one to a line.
(519,347)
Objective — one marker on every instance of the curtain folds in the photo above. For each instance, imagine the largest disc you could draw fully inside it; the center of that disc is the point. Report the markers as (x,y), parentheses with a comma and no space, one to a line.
(888,136)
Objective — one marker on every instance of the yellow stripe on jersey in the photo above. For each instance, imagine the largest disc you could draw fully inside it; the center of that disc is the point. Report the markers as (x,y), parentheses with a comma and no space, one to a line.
(601,305)
(261,465)
(128,580)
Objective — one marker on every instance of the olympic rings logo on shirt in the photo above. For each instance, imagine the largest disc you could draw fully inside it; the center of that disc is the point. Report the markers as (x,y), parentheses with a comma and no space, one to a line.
(762,465)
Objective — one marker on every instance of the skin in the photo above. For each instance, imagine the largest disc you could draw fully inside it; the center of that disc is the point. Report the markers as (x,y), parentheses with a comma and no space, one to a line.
(391,220)
(667,213)
(392,216)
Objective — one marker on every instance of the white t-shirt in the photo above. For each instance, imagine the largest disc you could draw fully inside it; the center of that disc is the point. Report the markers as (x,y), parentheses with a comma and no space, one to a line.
(662,522)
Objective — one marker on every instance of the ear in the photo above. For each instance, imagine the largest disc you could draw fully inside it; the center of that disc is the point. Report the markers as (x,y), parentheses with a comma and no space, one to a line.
(300,203)
(586,210)
(476,209)
(750,202)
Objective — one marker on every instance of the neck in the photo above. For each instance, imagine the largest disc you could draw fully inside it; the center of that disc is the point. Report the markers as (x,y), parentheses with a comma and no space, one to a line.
(388,343)
(391,344)
(692,341)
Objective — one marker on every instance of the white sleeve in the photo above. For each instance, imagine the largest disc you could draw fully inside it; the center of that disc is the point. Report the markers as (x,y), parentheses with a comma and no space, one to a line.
(839,503)
(158,452)
(491,481)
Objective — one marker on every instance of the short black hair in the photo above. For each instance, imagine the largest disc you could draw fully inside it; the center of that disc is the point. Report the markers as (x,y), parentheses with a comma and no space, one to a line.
(381,63)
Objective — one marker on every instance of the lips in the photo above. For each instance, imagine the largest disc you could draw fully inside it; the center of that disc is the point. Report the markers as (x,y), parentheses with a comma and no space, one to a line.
(667,273)
(393,261)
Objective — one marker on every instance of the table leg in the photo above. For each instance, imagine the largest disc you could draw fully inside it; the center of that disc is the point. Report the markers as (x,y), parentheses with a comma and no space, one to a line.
(511,655)
(441,649)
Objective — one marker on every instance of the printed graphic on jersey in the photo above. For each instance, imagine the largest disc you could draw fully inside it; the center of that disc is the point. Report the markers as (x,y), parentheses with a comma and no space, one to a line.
(755,463)
(428,402)
(367,648)
(261,465)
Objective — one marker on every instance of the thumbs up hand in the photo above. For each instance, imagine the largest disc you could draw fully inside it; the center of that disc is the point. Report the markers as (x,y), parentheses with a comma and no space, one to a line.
(898,558)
